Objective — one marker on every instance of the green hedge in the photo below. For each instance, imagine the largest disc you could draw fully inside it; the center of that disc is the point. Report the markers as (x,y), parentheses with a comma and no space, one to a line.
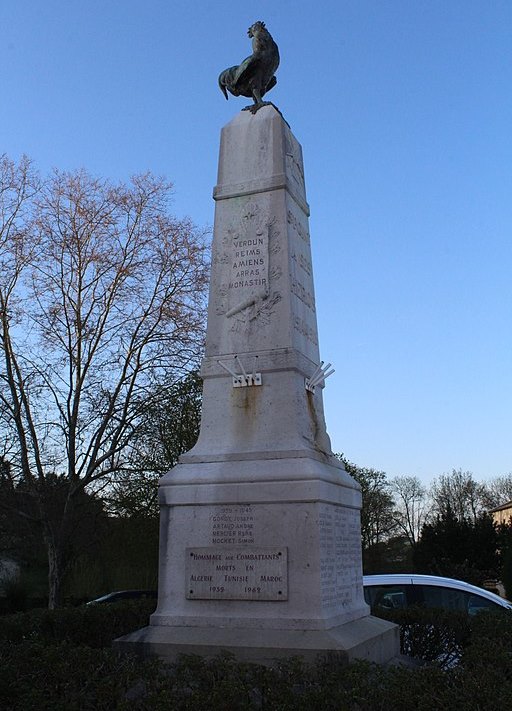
(52,661)
(431,635)
(65,678)
(89,625)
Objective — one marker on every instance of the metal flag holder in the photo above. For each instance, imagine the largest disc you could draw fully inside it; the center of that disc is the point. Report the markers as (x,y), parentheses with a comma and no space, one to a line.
(244,379)
(318,376)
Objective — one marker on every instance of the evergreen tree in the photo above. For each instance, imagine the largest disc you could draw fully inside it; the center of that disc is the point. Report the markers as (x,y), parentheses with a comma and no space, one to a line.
(459,547)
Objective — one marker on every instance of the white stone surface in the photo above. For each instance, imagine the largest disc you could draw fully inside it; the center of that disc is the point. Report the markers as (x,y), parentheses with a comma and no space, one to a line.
(324,579)
(262,476)
(367,638)
(262,295)
(262,302)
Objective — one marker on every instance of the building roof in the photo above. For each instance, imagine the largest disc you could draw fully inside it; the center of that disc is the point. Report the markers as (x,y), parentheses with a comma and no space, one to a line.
(503,507)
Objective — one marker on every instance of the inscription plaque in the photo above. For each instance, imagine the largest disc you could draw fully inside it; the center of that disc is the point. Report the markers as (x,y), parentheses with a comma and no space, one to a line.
(237,573)
(340,569)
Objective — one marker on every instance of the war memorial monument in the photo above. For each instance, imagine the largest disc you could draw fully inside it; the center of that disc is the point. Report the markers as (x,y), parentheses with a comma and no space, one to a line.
(260,547)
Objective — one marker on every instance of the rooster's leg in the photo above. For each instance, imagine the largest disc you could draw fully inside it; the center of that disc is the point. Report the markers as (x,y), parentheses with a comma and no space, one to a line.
(258,103)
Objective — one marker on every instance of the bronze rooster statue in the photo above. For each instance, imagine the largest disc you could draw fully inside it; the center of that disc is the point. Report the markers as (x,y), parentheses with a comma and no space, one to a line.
(255,75)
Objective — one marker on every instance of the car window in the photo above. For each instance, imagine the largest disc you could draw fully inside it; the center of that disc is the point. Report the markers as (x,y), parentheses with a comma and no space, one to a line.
(396,597)
(387,597)
(477,603)
(452,599)
(443,597)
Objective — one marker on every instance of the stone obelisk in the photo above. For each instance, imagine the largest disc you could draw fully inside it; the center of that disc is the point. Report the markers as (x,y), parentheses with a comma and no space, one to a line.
(260,549)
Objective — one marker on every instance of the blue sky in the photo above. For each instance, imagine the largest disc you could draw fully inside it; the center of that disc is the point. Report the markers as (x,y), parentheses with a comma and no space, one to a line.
(404,112)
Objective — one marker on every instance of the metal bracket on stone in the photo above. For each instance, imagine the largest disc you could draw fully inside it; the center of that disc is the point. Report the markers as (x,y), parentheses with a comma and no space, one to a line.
(318,376)
(244,379)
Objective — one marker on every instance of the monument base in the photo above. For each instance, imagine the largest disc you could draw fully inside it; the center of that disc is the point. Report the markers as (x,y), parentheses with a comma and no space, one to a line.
(276,576)
(367,638)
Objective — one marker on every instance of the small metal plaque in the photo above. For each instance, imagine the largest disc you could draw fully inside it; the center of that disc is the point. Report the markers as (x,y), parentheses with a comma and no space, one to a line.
(239,573)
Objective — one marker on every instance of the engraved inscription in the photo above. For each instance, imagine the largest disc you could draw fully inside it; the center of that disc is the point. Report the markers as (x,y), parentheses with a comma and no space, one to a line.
(309,332)
(294,159)
(249,256)
(303,262)
(232,525)
(248,244)
(303,294)
(340,563)
(298,228)
(237,573)
(301,284)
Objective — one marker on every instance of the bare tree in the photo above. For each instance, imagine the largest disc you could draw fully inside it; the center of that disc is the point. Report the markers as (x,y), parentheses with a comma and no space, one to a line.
(412,506)
(461,493)
(499,490)
(102,297)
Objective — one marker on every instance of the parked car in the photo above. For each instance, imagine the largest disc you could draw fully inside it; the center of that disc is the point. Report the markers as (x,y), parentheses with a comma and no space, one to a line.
(125,595)
(396,591)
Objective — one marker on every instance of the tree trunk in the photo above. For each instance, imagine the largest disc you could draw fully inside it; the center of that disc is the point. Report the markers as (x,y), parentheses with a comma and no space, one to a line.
(55,574)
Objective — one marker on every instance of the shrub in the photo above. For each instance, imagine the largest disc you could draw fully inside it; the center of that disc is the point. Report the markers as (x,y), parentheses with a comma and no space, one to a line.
(67,678)
(40,671)
(429,634)
(89,625)
(16,593)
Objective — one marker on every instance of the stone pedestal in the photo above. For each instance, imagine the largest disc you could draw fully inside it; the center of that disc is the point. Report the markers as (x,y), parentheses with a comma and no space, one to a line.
(260,549)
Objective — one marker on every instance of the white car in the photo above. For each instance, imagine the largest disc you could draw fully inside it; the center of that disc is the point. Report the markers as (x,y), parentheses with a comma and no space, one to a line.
(398,591)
